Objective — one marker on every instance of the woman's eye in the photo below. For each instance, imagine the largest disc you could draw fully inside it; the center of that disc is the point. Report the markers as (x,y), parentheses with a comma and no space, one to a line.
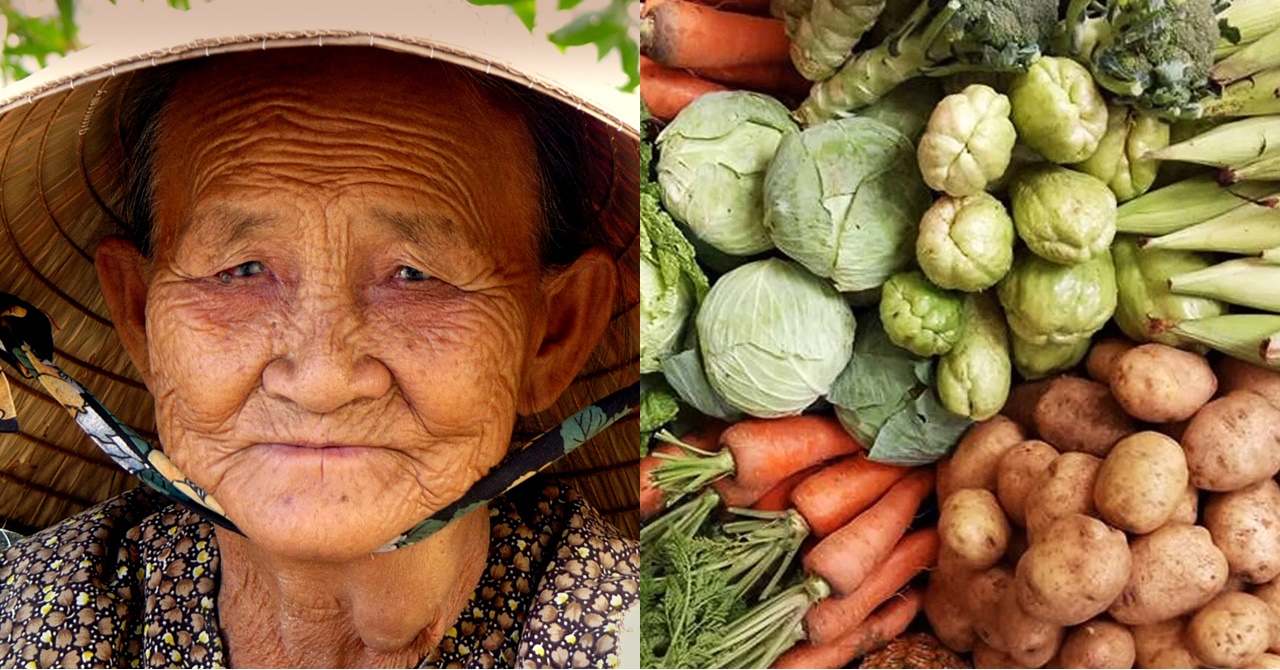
(407,273)
(243,270)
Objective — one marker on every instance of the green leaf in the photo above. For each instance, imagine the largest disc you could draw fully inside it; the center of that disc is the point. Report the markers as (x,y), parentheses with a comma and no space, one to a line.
(590,28)
(919,434)
(526,10)
(568,4)
(879,380)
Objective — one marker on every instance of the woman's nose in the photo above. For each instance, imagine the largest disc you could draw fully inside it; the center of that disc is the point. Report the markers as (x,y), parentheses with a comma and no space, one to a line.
(328,365)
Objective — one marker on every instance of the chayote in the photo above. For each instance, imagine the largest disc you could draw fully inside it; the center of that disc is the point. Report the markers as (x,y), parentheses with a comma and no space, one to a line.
(1062,215)
(1045,302)
(1144,300)
(920,317)
(1034,361)
(965,244)
(1119,159)
(1058,110)
(973,378)
(968,141)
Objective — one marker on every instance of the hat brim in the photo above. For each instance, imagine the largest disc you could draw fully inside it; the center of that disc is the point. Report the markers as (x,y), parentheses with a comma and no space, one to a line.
(62,177)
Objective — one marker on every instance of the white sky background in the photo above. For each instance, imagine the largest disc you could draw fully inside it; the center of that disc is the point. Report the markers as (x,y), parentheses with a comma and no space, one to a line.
(100,19)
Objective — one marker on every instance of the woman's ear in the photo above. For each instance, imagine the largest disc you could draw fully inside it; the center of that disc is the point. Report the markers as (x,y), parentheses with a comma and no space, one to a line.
(122,276)
(579,306)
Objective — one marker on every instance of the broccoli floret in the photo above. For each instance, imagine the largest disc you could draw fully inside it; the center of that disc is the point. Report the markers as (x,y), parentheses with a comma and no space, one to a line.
(940,37)
(1156,54)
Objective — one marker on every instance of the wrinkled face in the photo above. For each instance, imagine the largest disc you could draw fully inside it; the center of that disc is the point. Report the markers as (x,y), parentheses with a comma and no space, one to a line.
(344,294)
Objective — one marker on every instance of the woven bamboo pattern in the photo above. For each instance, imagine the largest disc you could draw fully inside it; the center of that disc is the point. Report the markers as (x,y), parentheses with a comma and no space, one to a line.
(914,650)
(62,168)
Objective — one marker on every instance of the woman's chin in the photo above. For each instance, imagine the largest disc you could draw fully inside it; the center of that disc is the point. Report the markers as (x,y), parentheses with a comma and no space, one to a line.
(345,510)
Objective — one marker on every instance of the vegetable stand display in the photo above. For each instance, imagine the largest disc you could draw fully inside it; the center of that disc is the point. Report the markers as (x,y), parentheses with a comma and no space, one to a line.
(960,333)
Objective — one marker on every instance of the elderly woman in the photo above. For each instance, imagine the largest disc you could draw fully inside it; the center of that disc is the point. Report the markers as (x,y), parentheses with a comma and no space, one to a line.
(342,273)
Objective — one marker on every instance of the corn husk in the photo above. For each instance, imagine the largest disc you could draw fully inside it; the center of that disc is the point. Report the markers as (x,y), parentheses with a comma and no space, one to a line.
(1271,349)
(1250,282)
(1191,201)
(1243,230)
(1241,336)
(1271,255)
(1253,18)
(1230,144)
(1266,166)
(1254,96)
(1256,57)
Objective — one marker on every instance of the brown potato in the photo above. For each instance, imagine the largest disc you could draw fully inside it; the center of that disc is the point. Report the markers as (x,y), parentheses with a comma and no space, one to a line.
(1264,661)
(1080,415)
(974,462)
(1018,545)
(1270,594)
(972,525)
(984,592)
(1176,570)
(1237,375)
(1018,471)
(1029,641)
(1174,429)
(1245,525)
(1102,358)
(1100,643)
(1074,572)
(1187,511)
(1159,383)
(947,614)
(1163,645)
(1231,630)
(1065,488)
(1021,405)
(985,656)
(1233,442)
(1141,482)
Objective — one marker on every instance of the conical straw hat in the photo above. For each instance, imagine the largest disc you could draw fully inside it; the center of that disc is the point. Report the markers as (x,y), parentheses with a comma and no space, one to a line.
(63,155)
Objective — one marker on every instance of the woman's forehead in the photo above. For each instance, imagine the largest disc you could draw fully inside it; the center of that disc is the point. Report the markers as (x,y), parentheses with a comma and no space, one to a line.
(430,133)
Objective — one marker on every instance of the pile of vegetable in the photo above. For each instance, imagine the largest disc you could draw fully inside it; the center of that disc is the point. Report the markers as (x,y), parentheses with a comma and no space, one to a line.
(1132,517)
(721,586)
(927,203)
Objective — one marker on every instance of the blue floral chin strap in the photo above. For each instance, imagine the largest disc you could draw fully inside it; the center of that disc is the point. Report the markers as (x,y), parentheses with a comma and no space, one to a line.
(26,343)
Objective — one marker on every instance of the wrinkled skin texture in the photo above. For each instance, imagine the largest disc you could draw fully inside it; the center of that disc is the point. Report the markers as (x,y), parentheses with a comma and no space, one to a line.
(1057,110)
(330,271)
(1062,215)
(968,142)
(919,316)
(965,244)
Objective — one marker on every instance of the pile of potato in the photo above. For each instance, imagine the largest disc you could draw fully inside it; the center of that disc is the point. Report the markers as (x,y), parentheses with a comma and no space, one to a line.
(1132,518)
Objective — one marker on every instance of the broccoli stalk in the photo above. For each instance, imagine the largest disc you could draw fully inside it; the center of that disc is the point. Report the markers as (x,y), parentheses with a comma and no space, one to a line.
(1155,54)
(940,37)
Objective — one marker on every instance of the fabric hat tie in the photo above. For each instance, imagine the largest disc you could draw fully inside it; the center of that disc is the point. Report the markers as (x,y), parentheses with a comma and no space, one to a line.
(26,343)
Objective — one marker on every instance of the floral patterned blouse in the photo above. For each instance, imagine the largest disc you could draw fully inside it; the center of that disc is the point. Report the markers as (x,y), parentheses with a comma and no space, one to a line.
(133,582)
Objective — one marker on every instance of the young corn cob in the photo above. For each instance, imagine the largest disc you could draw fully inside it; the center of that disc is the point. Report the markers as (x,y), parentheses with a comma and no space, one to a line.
(1247,21)
(824,37)
(1244,230)
(1226,145)
(1258,95)
(1237,335)
(1271,255)
(1259,56)
(1271,349)
(1243,281)
(1189,202)
(1266,166)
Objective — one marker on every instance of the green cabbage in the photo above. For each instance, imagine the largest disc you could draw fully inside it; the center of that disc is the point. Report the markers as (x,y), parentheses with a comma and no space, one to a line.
(671,285)
(844,198)
(773,337)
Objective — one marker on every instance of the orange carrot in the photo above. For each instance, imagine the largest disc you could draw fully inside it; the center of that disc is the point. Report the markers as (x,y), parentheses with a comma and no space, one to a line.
(770,450)
(846,557)
(757,7)
(841,491)
(653,499)
(834,618)
(684,34)
(763,77)
(778,498)
(877,631)
(666,91)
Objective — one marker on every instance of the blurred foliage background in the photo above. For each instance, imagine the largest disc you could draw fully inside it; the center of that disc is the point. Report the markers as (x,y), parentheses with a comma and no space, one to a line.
(34,38)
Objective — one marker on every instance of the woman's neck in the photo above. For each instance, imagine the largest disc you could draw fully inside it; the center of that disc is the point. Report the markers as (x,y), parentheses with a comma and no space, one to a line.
(381,610)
